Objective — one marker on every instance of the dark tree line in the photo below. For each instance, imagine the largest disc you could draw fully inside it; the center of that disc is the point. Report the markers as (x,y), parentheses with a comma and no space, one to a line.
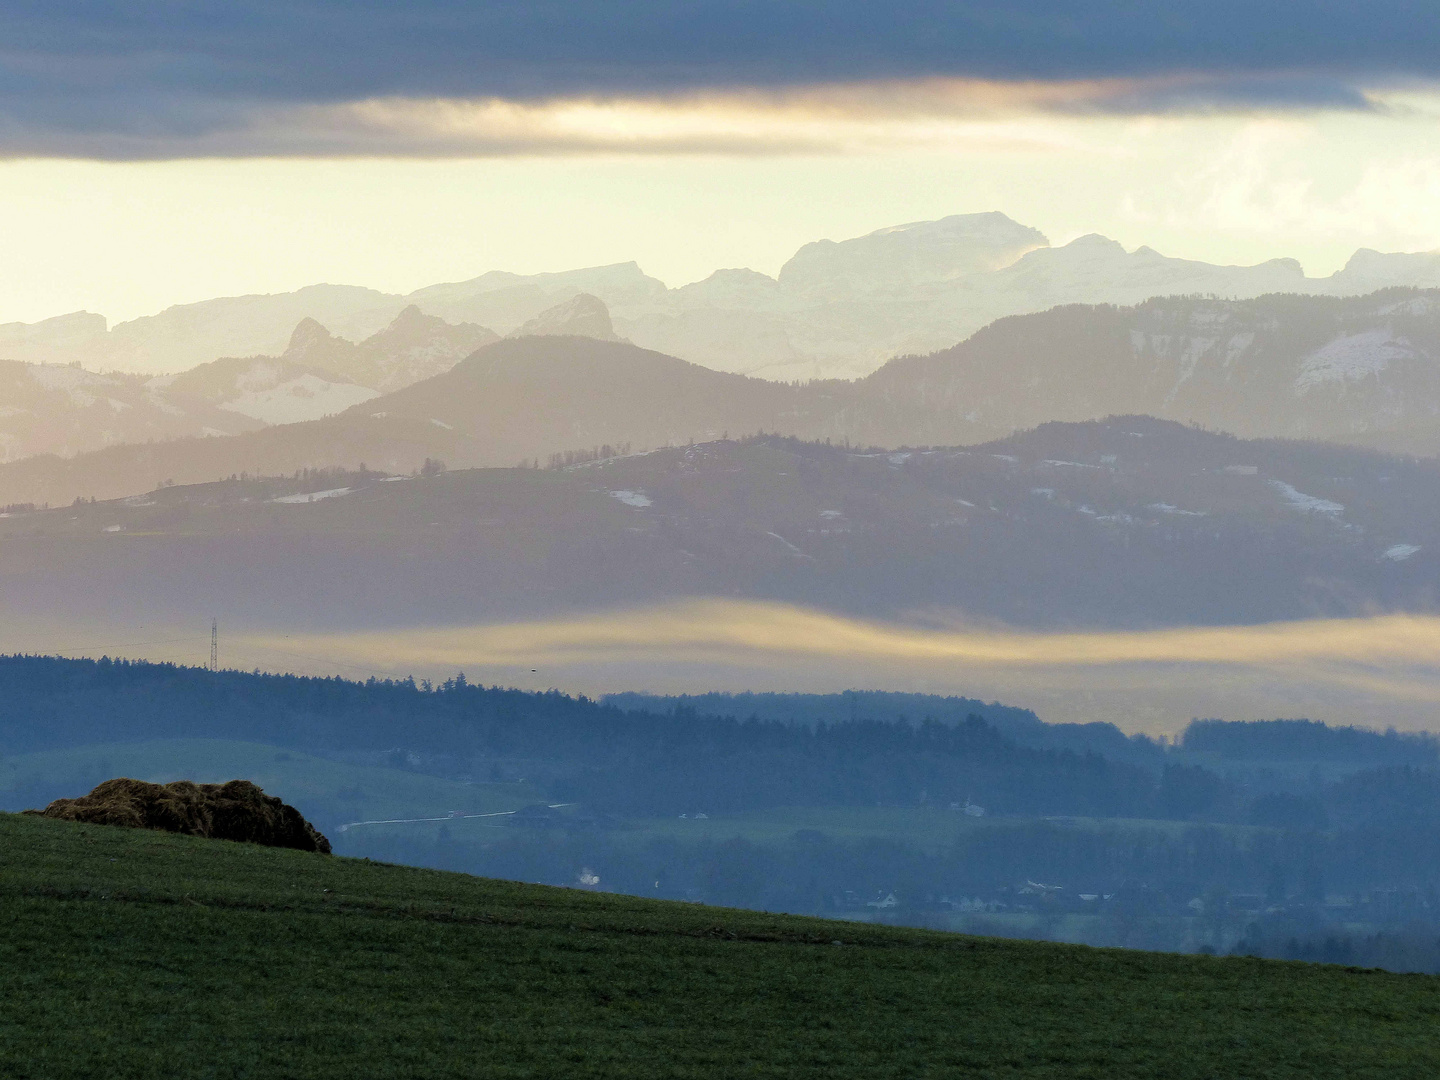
(657,763)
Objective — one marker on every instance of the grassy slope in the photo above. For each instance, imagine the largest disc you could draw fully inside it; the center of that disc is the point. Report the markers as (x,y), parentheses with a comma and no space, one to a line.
(134,954)
(325,791)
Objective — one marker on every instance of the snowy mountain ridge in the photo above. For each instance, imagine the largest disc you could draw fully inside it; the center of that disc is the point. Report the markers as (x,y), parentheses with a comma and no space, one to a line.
(837,309)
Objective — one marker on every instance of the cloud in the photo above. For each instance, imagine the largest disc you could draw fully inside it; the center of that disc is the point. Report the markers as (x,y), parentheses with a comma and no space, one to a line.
(149,79)
(827,119)
(1263,180)
(706,629)
(1381,670)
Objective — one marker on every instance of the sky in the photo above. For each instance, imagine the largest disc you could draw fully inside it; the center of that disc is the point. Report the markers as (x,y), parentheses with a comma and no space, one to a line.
(156,153)
(1341,671)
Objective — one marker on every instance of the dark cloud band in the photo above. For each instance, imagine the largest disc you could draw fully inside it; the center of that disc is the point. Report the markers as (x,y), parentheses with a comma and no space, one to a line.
(148,73)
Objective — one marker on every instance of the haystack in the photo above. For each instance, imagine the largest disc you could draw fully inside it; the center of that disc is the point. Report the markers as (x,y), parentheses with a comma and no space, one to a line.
(237,810)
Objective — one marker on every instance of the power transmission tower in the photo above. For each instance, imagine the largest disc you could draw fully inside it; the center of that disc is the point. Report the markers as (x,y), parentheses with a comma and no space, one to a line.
(214,644)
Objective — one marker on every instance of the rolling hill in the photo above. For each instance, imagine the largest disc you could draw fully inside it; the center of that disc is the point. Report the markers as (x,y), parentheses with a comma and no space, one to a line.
(1354,370)
(1360,370)
(1131,522)
(195,957)
(516,400)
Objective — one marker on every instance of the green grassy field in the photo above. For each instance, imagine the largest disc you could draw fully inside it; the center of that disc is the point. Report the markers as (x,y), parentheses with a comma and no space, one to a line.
(328,792)
(138,954)
(928,829)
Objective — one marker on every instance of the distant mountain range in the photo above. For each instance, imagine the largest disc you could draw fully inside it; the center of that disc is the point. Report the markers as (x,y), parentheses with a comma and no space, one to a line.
(835,309)
(1131,522)
(1360,370)
(66,410)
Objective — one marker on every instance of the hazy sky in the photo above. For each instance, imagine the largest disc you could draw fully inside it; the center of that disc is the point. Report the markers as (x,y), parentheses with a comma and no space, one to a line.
(1342,671)
(156,153)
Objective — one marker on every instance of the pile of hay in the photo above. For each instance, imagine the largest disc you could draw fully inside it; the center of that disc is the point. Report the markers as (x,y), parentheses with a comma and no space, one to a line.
(235,811)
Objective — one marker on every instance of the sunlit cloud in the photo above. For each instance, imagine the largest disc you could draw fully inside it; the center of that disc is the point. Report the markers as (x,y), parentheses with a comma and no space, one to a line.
(839,118)
(709,629)
(1380,671)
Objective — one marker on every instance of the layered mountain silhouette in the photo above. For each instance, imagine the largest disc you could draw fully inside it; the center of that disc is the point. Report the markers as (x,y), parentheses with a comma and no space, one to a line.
(66,410)
(582,315)
(1362,370)
(413,347)
(1358,370)
(1128,522)
(836,309)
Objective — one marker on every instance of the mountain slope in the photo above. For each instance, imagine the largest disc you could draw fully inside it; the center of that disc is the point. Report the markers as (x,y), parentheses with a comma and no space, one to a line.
(1364,369)
(64,410)
(413,347)
(269,389)
(837,309)
(197,956)
(516,400)
(187,334)
(67,411)
(528,397)
(1360,370)
(1132,523)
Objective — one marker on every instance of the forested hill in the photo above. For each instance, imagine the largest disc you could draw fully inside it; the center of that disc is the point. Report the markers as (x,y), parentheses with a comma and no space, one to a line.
(608,758)
(1021,725)
(1173,526)
(681,759)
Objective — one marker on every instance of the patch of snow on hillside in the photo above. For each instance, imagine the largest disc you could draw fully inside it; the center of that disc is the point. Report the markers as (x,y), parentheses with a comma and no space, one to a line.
(1307,504)
(637,499)
(1401,552)
(259,376)
(1351,358)
(307,397)
(1237,346)
(1167,508)
(157,400)
(1072,464)
(313,496)
(441,424)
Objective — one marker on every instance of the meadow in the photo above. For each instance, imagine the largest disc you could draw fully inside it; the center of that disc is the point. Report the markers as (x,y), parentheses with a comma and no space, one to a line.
(327,791)
(140,954)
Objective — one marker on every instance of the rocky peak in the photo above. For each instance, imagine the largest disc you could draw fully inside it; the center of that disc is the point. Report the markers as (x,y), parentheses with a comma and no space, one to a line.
(583,315)
(308,337)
